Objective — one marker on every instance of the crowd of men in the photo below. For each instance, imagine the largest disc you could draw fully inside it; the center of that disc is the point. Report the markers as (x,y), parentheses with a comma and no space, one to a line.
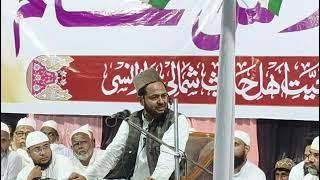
(32,154)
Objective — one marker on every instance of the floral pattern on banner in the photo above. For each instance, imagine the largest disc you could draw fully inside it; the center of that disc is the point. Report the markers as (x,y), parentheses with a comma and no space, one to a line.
(48,78)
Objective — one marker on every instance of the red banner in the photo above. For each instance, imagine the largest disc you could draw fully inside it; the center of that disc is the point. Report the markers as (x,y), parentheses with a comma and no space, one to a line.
(267,81)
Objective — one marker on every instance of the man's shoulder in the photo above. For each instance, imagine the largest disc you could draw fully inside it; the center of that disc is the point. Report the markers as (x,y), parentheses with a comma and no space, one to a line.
(13,155)
(26,170)
(256,170)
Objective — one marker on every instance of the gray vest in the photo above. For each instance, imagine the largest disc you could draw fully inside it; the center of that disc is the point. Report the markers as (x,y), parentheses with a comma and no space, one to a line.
(126,164)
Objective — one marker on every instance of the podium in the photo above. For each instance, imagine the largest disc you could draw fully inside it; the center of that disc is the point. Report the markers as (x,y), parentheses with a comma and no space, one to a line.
(199,148)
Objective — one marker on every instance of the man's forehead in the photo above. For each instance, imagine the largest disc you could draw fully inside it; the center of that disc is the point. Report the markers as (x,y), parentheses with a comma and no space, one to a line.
(4,134)
(239,141)
(80,136)
(24,128)
(313,151)
(40,145)
(156,88)
(47,129)
(282,171)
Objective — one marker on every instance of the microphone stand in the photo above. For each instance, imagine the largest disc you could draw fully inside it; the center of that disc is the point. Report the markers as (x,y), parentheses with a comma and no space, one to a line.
(176,139)
(175,149)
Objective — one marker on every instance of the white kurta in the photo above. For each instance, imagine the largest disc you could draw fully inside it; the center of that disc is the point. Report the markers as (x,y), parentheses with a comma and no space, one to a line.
(166,162)
(11,165)
(59,169)
(249,171)
(310,177)
(297,172)
(26,160)
(62,150)
(78,167)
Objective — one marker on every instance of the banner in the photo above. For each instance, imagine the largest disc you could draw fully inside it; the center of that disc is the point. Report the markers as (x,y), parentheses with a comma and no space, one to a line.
(66,57)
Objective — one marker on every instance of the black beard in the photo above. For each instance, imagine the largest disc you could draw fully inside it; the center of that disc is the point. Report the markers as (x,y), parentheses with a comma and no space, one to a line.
(305,169)
(238,161)
(160,116)
(45,165)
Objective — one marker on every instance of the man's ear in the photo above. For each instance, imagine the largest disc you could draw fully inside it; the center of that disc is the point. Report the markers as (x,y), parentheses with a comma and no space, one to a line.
(28,151)
(140,99)
(247,149)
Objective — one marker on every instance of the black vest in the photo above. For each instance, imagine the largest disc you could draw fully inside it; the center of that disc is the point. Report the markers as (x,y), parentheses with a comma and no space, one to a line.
(126,164)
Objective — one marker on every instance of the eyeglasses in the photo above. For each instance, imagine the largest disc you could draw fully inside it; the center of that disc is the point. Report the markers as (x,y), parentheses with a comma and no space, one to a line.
(21,133)
(39,150)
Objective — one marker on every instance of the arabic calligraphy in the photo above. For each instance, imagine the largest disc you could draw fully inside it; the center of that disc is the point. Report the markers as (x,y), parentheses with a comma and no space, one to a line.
(256,80)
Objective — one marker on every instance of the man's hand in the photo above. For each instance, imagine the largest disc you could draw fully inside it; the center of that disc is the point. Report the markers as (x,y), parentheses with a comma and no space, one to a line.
(150,178)
(76,176)
(35,173)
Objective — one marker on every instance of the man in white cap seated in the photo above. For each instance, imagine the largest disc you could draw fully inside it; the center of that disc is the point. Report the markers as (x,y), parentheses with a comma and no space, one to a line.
(243,168)
(131,154)
(314,161)
(11,162)
(84,150)
(50,128)
(24,127)
(301,169)
(45,163)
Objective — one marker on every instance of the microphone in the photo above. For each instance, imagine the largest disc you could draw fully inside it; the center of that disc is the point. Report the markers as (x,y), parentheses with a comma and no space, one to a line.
(119,115)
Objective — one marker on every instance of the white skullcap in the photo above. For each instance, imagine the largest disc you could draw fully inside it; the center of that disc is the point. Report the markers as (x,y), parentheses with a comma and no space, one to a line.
(27,122)
(243,136)
(315,144)
(83,129)
(36,137)
(4,127)
(87,127)
(50,123)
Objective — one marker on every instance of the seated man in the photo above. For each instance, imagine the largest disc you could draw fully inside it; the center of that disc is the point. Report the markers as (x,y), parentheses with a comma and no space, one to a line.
(45,163)
(301,169)
(50,128)
(243,168)
(283,168)
(84,151)
(313,158)
(11,162)
(23,128)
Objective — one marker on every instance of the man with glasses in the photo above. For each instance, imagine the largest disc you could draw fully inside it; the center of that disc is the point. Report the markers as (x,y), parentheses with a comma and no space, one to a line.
(127,156)
(50,128)
(45,164)
(301,169)
(11,162)
(313,159)
(24,127)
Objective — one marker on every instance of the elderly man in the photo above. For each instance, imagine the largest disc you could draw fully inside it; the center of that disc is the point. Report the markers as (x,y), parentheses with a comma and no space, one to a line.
(283,168)
(301,169)
(23,128)
(84,150)
(45,163)
(243,168)
(133,155)
(11,162)
(50,128)
(314,161)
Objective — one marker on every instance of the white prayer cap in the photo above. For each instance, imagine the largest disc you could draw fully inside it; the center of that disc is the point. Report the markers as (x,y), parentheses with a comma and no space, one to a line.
(36,137)
(27,122)
(87,127)
(243,136)
(4,127)
(50,123)
(83,129)
(315,144)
